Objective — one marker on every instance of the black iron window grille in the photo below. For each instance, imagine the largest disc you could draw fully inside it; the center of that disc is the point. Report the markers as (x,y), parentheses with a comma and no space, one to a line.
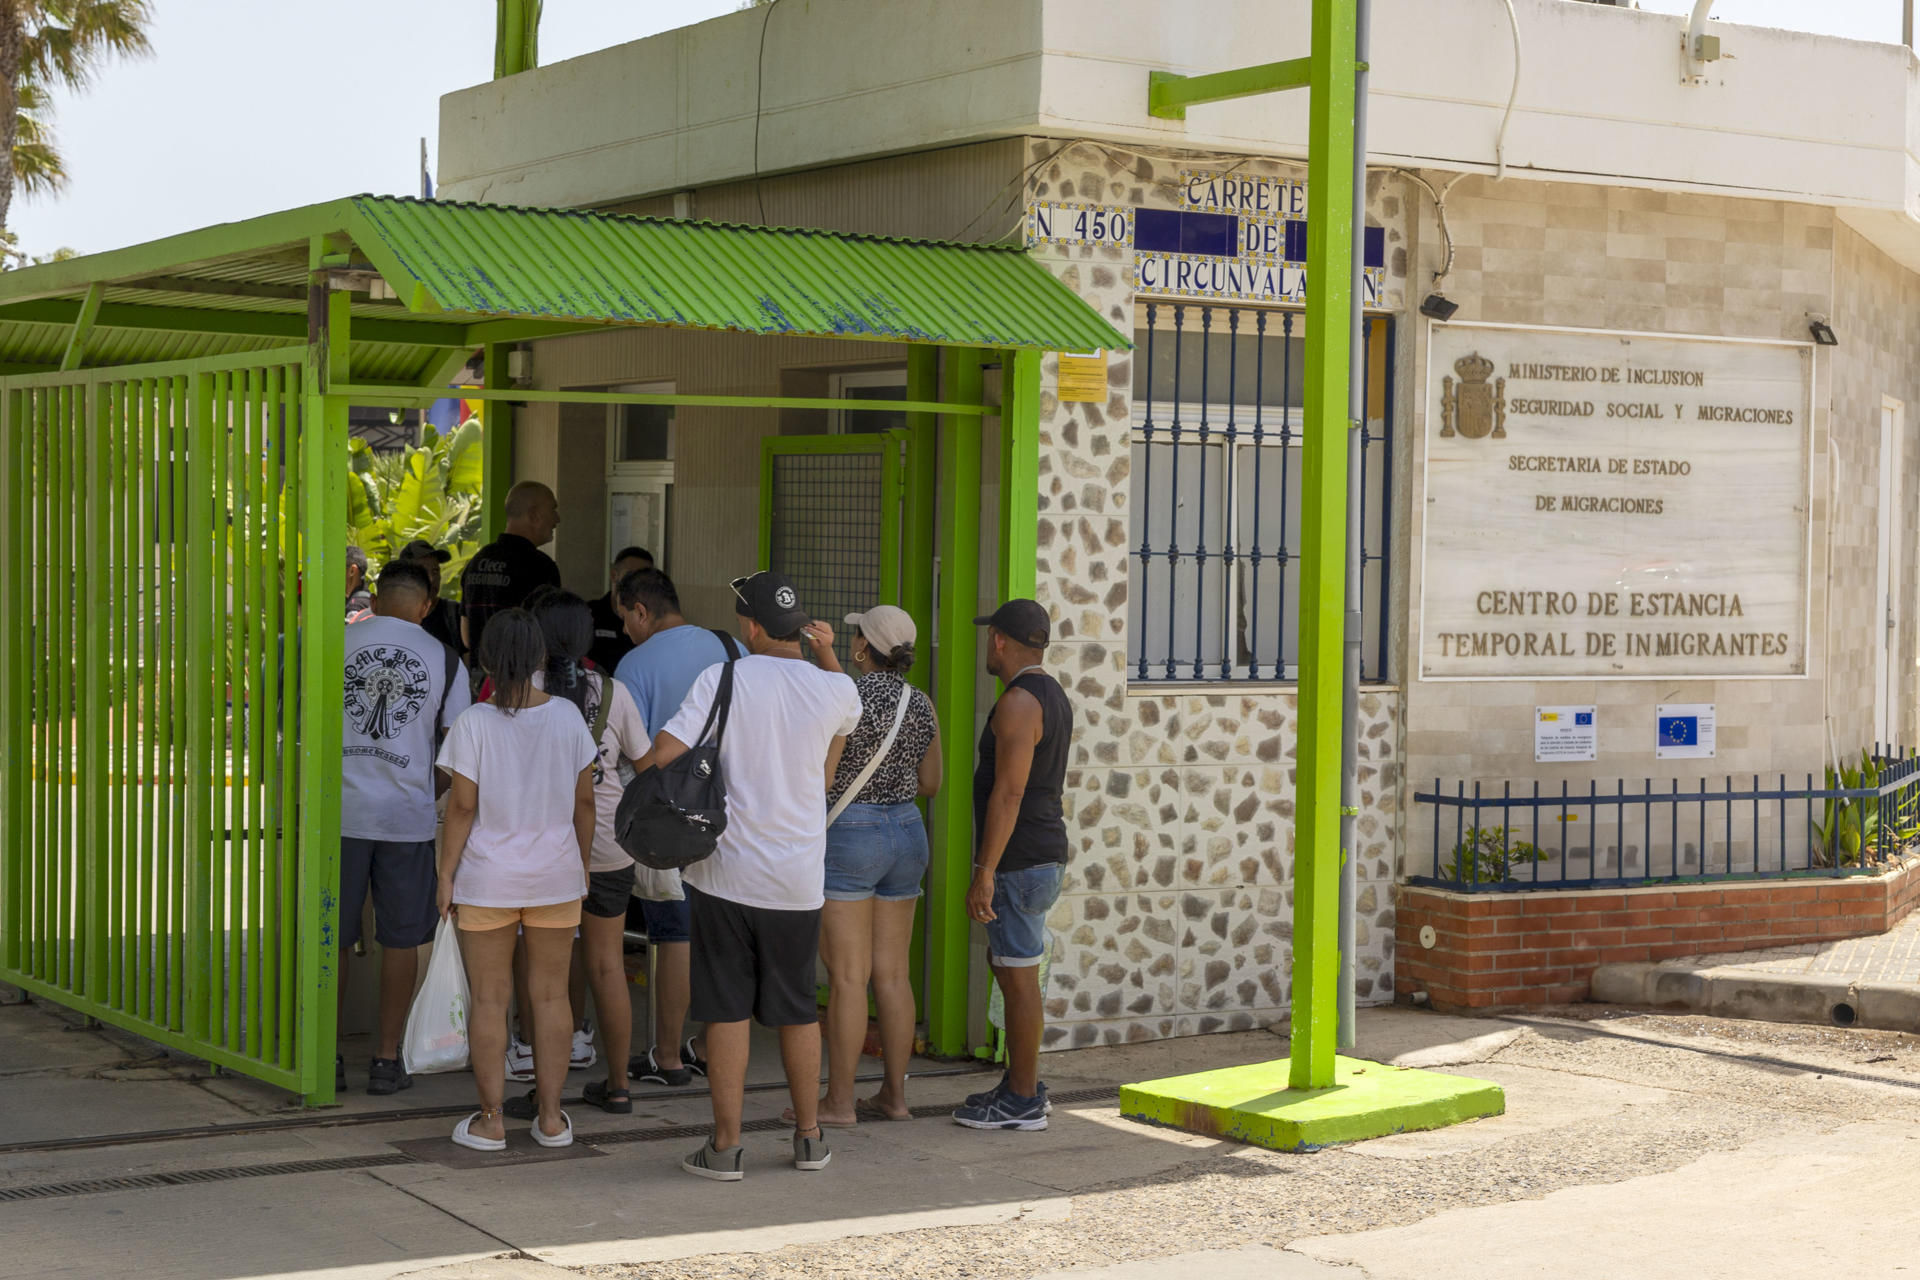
(1215,538)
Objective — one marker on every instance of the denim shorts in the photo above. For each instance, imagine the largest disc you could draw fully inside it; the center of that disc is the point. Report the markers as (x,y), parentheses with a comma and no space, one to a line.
(1017,935)
(668,921)
(876,851)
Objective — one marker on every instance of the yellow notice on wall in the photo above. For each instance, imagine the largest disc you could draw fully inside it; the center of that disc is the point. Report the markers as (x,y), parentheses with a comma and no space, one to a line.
(1083,376)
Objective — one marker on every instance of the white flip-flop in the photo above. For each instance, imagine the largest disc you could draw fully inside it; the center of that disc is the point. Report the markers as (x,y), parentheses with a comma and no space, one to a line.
(565,1139)
(463,1135)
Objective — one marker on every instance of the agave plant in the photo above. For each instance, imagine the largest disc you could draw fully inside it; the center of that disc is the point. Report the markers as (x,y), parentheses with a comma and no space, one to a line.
(431,492)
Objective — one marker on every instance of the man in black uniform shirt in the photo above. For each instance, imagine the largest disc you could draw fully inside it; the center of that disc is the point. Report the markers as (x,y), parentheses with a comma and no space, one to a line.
(443,617)
(507,570)
(610,643)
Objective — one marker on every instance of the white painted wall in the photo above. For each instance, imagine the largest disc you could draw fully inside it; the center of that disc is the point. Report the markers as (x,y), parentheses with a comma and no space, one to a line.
(1785,114)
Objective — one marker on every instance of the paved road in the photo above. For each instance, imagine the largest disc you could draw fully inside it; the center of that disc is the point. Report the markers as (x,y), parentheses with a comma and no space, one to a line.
(1633,1146)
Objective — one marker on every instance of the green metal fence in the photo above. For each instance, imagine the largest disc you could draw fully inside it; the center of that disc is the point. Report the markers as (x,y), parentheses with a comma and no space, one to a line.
(155,647)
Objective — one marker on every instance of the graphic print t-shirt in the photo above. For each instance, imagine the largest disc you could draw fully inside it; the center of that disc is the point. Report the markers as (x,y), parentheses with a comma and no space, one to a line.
(396,679)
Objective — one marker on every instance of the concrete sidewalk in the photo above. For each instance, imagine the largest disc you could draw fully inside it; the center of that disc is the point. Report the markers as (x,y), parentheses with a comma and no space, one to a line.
(1871,982)
(1608,1122)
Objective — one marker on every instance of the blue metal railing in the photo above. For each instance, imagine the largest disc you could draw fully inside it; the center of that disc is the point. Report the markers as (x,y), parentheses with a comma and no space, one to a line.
(1537,837)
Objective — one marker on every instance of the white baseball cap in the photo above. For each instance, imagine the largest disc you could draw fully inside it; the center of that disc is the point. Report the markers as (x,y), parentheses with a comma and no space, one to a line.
(885,627)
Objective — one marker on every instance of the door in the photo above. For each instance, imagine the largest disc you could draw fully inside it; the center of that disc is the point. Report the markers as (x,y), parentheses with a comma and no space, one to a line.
(832,518)
(1886,672)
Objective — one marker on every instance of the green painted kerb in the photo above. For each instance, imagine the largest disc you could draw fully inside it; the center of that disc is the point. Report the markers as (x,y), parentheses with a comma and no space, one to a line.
(1254,1104)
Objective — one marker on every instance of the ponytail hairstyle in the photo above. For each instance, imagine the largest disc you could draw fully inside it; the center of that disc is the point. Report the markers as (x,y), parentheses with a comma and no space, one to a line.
(900,661)
(566,627)
(511,650)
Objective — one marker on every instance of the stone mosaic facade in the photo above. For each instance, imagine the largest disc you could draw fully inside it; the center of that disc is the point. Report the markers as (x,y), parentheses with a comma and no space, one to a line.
(1177,913)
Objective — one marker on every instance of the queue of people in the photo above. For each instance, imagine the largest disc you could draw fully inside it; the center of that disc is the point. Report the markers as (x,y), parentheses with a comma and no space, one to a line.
(823,852)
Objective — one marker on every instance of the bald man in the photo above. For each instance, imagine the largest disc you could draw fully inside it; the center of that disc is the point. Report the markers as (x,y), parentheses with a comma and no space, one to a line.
(507,570)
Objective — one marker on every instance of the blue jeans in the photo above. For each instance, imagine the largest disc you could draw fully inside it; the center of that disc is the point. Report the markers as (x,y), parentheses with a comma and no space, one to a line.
(876,851)
(1017,935)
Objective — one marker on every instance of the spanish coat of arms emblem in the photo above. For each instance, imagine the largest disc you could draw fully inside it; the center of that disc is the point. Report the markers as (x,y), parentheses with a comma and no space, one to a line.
(1470,407)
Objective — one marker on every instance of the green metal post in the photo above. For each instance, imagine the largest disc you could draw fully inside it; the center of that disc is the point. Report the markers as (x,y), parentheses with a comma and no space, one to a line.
(322,624)
(1019,474)
(955,663)
(13,721)
(1323,524)
(1170,94)
(917,546)
(496,464)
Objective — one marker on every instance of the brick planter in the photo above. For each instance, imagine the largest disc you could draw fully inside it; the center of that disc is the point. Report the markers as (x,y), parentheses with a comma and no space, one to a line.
(1499,949)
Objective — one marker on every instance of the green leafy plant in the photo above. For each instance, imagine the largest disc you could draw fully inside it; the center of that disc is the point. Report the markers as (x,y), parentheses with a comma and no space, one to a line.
(1488,855)
(431,491)
(1849,829)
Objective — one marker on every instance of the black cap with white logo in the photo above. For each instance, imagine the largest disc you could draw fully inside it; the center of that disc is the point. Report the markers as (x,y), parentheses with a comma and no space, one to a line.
(770,600)
(1023,621)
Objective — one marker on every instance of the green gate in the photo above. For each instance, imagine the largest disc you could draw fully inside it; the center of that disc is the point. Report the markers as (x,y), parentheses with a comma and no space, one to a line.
(158,647)
(833,517)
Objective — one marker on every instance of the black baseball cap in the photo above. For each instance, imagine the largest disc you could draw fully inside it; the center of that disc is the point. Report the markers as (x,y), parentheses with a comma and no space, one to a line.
(1020,620)
(770,600)
(421,549)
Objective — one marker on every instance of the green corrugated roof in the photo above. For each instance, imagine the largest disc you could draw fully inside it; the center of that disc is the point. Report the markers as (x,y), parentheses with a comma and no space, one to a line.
(492,260)
(241,286)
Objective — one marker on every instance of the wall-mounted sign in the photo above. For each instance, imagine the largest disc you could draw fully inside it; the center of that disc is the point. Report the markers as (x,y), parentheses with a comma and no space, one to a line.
(1683,731)
(1603,505)
(1564,735)
(1233,236)
(1083,377)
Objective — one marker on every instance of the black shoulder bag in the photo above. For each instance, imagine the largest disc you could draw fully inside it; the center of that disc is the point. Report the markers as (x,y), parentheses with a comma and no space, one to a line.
(672,817)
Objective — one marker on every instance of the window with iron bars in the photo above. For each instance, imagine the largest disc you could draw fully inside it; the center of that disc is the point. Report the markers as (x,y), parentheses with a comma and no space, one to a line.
(1217,447)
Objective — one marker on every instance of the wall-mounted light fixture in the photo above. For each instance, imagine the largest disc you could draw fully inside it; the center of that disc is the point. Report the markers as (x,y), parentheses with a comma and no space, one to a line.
(1822,332)
(1438,306)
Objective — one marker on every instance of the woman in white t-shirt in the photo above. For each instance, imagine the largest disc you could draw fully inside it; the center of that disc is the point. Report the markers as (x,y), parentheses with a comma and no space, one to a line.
(520,818)
(606,705)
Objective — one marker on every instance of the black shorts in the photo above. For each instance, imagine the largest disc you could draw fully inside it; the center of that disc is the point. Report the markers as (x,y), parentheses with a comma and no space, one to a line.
(608,891)
(405,885)
(752,962)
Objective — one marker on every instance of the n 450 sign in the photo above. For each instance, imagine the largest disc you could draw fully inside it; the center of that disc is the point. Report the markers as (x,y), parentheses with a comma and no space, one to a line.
(1081,224)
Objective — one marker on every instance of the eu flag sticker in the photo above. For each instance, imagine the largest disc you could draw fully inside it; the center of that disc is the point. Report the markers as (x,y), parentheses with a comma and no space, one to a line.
(1679,731)
(1583,717)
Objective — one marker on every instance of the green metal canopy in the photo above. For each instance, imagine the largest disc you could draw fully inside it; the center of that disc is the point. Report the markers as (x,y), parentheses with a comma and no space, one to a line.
(429,279)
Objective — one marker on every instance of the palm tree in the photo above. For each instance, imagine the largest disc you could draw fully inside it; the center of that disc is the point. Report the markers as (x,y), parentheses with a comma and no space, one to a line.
(46,44)
(38,167)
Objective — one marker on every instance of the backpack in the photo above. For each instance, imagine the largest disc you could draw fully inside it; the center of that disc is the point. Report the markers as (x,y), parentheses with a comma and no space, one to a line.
(672,817)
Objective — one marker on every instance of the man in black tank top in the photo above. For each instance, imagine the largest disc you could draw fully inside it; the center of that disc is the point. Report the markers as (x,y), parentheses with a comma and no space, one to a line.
(1021,839)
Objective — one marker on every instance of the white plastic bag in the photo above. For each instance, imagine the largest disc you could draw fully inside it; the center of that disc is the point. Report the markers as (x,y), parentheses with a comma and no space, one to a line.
(436,1038)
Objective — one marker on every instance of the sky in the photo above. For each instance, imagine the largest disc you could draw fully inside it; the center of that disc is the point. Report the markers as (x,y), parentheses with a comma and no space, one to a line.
(254,106)
(250,107)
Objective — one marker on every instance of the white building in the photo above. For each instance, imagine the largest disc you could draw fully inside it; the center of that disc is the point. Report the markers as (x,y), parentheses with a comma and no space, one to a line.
(1648,487)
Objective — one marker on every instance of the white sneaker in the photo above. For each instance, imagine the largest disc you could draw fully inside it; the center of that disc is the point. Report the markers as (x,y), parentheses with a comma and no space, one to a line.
(519,1060)
(584,1054)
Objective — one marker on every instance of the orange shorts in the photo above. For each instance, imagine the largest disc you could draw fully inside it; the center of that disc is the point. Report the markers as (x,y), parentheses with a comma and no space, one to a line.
(557,915)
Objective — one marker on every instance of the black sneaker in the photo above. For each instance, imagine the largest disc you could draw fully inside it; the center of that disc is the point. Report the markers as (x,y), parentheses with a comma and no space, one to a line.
(386,1075)
(1005,1110)
(981,1099)
(646,1069)
(694,1062)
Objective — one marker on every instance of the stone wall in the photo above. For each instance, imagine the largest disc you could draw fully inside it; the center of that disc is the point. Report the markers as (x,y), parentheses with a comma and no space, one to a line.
(1178,909)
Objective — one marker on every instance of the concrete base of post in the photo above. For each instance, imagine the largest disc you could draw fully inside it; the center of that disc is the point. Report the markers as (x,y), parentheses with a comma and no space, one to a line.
(1253,1103)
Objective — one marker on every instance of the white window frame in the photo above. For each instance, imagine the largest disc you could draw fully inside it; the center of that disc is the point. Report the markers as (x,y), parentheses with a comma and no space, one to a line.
(654,477)
(1273,418)
(838,384)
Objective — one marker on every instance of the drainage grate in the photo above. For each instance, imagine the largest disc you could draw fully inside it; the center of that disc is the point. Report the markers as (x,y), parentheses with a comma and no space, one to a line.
(620,1137)
(188,1177)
